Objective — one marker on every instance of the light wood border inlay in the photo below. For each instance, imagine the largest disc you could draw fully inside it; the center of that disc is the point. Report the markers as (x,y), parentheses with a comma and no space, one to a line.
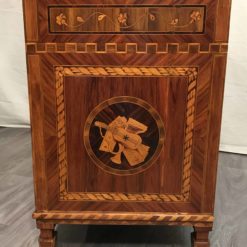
(61,72)
(126,218)
(153,48)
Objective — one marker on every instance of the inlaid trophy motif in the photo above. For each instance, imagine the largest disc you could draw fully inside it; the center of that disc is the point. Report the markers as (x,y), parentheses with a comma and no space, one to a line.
(124,135)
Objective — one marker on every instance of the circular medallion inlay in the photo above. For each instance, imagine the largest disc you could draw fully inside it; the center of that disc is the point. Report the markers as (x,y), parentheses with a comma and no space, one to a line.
(124,135)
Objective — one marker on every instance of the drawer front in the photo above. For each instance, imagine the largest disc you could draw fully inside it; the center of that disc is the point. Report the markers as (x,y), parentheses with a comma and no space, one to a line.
(189,21)
(126,19)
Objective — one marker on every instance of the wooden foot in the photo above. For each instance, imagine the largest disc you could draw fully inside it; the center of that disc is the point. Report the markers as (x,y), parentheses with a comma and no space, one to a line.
(47,234)
(200,236)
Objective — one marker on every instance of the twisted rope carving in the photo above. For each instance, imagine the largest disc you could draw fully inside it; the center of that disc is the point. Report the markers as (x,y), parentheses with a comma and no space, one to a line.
(61,72)
(121,197)
(125,71)
(190,115)
(62,159)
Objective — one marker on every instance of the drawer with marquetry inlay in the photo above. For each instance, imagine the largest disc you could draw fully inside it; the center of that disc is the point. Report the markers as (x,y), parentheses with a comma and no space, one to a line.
(125,103)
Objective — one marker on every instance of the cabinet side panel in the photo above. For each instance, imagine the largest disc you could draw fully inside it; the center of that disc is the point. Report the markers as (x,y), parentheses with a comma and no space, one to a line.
(31,21)
(217,91)
(37,114)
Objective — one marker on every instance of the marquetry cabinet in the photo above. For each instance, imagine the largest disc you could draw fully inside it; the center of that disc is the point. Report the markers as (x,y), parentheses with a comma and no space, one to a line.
(125,101)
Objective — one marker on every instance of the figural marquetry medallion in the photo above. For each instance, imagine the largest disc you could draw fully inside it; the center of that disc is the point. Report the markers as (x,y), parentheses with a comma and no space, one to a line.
(124,135)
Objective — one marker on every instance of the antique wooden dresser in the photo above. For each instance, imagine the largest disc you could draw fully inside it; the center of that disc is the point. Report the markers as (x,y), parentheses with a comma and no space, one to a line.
(126,100)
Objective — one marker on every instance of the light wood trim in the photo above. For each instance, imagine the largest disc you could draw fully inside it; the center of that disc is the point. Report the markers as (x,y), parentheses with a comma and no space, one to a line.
(118,216)
(154,48)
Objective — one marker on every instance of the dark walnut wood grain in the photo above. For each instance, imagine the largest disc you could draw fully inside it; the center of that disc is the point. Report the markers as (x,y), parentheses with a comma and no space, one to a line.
(150,158)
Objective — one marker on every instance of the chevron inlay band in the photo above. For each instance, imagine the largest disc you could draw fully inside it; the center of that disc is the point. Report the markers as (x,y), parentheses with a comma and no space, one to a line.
(123,48)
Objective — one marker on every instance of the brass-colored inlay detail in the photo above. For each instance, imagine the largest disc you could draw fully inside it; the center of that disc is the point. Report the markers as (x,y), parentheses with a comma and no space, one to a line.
(190,73)
(119,132)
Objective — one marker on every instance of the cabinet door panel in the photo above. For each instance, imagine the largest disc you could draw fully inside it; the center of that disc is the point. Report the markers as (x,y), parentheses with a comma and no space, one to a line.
(168,97)
(170,100)
(177,21)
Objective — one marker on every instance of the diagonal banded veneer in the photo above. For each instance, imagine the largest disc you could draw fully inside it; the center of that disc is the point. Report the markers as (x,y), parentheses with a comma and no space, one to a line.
(125,102)
(61,72)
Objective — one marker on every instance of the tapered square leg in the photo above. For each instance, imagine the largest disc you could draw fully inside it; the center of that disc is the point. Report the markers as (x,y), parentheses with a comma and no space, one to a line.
(200,236)
(47,234)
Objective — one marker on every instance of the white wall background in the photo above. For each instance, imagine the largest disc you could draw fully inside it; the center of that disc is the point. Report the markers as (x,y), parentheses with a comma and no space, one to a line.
(234,122)
(13,81)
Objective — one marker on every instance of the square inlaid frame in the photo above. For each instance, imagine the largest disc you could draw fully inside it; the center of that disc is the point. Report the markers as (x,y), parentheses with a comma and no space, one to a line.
(62,71)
